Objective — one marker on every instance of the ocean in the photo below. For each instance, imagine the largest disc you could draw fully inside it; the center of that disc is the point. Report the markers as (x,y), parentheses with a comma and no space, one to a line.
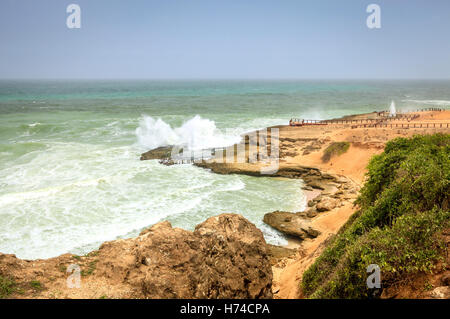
(70,174)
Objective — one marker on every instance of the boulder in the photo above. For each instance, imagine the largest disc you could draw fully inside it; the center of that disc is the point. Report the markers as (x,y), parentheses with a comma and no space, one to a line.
(440,293)
(159,153)
(326,204)
(225,257)
(316,184)
(311,212)
(291,224)
(446,279)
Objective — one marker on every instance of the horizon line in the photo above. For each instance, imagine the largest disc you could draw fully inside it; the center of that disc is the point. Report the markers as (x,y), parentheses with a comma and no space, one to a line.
(221,79)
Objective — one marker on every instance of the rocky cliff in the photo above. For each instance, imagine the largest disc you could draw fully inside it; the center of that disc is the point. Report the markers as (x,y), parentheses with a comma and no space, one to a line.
(224,257)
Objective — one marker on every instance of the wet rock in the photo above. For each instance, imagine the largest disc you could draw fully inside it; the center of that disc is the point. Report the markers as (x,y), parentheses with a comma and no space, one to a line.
(159,153)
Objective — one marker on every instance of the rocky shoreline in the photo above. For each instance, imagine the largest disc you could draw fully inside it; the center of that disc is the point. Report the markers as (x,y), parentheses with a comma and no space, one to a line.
(225,257)
(325,191)
(333,191)
(329,190)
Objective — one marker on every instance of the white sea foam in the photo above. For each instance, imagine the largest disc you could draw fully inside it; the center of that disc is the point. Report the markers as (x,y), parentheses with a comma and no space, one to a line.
(392,109)
(72,195)
(196,133)
(49,191)
(430,102)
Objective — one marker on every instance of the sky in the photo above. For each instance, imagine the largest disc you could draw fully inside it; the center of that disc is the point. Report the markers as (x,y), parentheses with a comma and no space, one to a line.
(225,39)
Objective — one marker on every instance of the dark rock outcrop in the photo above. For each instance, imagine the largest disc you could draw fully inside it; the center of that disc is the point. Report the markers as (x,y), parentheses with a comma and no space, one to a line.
(159,153)
(446,279)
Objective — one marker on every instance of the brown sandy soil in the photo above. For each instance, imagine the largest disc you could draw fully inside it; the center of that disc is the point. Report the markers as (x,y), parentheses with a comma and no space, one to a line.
(287,279)
(365,142)
(351,164)
(435,116)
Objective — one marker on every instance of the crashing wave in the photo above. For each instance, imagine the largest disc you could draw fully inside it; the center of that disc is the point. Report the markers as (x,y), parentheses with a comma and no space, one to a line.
(196,133)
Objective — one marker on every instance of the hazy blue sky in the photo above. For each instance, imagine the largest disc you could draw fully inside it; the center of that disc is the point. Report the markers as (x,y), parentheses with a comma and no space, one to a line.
(224,39)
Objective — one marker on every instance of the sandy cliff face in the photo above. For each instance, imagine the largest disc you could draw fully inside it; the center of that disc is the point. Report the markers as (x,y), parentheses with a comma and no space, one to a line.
(224,257)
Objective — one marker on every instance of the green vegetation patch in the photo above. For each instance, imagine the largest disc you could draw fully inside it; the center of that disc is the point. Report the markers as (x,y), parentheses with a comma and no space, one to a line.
(36,285)
(404,207)
(90,269)
(335,148)
(92,254)
(7,287)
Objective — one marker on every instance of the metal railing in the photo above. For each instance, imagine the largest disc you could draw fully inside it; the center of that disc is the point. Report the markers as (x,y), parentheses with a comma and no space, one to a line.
(402,125)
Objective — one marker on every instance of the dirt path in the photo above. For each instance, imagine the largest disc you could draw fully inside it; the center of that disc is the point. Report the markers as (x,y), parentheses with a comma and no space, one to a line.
(287,277)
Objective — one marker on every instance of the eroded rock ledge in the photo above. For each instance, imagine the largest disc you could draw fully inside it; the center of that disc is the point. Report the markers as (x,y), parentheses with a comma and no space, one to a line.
(158,153)
(335,191)
(292,224)
(313,177)
(224,257)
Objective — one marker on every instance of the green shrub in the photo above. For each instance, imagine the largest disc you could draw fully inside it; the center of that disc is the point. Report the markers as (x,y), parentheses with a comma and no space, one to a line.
(36,285)
(403,207)
(335,148)
(7,287)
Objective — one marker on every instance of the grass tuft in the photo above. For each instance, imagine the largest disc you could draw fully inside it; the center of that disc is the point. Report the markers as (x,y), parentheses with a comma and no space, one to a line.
(335,148)
(7,287)
(36,285)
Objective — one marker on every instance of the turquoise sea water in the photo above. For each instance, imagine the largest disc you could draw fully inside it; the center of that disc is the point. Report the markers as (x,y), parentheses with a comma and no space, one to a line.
(70,175)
